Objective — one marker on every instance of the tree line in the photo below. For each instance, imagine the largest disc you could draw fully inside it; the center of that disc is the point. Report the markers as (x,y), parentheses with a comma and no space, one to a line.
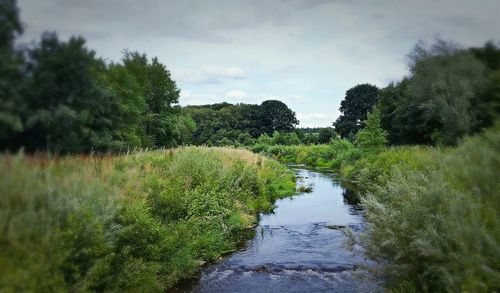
(450,92)
(58,96)
(226,124)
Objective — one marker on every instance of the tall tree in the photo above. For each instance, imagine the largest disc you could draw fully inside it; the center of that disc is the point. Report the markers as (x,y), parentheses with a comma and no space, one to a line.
(358,101)
(64,96)
(276,116)
(11,76)
(161,95)
(444,81)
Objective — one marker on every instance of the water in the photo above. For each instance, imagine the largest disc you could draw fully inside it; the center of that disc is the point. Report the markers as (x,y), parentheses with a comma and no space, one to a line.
(294,250)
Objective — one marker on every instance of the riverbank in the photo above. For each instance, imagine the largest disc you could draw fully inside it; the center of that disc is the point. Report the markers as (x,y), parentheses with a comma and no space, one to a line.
(138,222)
(300,247)
(433,213)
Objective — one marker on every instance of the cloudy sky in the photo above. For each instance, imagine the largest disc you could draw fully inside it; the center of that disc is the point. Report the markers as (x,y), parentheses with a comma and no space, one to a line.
(306,53)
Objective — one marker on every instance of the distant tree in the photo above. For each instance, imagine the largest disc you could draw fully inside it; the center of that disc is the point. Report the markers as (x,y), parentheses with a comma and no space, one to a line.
(358,101)
(276,116)
(311,138)
(325,135)
(372,135)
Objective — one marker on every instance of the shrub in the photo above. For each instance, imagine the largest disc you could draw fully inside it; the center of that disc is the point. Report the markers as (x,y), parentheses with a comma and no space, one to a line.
(136,222)
(436,225)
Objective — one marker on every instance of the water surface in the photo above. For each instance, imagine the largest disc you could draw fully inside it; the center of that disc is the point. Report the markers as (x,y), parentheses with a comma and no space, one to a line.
(295,249)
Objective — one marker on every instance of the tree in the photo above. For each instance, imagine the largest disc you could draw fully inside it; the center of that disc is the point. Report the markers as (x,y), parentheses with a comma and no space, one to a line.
(64,96)
(444,81)
(124,108)
(372,135)
(12,107)
(487,102)
(358,101)
(276,116)
(161,96)
(325,135)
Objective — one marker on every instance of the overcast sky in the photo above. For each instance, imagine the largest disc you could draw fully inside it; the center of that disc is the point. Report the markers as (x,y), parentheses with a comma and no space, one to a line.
(306,53)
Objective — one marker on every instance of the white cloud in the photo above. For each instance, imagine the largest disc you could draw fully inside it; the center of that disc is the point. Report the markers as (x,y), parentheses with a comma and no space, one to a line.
(208,74)
(317,119)
(232,72)
(236,94)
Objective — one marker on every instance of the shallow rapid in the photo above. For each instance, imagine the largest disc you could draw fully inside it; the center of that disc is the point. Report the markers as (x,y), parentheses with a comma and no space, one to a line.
(301,247)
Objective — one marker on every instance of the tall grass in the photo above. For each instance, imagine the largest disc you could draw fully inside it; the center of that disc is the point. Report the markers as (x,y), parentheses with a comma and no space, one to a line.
(138,222)
(436,226)
(433,213)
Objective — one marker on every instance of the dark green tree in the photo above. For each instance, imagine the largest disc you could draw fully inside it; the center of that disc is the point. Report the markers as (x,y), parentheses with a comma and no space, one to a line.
(64,96)
(276,116)
(358,101)
(161,95)
(12,107)
(326,134)
(444,81)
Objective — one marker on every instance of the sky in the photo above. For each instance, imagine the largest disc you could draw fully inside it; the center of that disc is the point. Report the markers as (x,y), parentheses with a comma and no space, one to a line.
(306,53)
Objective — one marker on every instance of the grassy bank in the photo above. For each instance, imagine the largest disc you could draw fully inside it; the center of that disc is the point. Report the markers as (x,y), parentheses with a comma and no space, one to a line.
(138,222)
(433,213)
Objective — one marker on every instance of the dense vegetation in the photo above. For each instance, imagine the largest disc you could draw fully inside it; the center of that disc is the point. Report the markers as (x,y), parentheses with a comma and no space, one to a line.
(145,220)
(433,212)
(450,92)
(225,124)
(138,222)
(57,96)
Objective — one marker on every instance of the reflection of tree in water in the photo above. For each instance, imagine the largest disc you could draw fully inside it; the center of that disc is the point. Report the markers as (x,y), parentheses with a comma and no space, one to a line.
(350,197)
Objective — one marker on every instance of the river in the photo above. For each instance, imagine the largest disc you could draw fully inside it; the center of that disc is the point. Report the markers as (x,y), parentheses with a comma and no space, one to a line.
(300,247)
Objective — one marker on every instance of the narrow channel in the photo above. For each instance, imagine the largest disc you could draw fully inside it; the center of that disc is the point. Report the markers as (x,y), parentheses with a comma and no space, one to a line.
(300,247)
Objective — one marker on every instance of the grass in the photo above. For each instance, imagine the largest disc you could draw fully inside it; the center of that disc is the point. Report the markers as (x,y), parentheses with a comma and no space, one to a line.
(137,222)
(433,214)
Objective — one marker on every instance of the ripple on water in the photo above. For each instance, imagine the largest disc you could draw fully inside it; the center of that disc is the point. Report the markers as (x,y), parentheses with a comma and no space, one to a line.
(295,251)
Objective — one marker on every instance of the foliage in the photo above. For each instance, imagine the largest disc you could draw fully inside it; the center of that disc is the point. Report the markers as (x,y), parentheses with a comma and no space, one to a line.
(138,222)
(276,116)
(444,81)
(358,101)
(450,92)
(57,96)
(435,225)
(11,109)
(372,136)
(218,121)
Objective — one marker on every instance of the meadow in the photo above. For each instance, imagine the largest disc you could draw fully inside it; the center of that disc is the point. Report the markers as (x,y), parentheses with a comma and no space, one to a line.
(137,222)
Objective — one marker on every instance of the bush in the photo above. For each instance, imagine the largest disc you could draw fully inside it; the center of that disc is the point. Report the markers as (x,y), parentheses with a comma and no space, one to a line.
(436,225)
(128,223)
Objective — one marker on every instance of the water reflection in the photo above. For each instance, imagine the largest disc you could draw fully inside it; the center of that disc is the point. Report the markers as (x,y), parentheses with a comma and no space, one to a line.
(298,247)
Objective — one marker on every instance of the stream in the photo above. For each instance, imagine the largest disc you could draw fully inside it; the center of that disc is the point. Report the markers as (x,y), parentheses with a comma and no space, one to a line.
(300,247)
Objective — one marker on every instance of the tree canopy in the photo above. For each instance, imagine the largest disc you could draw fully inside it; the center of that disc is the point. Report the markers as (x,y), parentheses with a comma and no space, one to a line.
(239,122)
(450,92)
(358,101)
